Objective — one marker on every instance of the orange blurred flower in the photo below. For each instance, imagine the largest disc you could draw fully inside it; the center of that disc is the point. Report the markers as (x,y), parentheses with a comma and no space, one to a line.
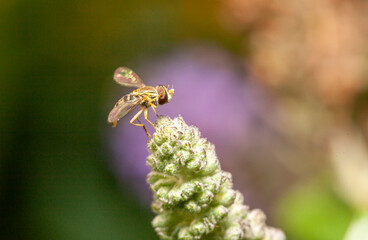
(315,47)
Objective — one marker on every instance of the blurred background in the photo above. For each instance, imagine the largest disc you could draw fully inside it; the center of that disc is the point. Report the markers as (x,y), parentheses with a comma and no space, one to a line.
(280,88)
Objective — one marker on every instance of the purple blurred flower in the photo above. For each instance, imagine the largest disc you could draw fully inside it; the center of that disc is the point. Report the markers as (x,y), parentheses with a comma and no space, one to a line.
(210,93)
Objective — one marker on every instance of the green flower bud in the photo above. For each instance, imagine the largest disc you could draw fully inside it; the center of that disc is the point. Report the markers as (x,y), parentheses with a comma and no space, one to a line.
(184,234)
(192,197)
(192,207)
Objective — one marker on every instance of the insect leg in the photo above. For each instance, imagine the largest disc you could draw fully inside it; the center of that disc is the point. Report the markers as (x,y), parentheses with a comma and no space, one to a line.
(136,117)
(154,108)
(145,129)
(145,116)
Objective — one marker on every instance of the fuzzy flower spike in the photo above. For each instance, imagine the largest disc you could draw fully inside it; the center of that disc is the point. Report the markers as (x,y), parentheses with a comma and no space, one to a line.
(193,197)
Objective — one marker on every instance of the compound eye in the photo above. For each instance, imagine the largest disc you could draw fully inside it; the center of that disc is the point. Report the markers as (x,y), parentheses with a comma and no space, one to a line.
(163,95)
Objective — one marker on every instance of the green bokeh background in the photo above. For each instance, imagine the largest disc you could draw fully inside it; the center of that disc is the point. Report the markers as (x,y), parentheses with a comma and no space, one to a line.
(56,65)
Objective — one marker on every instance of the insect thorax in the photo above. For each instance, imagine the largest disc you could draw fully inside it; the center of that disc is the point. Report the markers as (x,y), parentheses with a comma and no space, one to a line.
(149,94)
(151,99)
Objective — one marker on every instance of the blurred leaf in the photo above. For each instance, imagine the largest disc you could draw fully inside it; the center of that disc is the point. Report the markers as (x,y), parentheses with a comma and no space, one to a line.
(313,211)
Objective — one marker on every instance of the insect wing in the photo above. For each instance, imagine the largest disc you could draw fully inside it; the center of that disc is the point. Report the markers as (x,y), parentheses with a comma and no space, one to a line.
(124,106)
(127,77)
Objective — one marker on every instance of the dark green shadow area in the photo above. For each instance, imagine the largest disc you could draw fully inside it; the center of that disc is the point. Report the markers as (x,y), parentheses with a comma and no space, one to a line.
(56,62)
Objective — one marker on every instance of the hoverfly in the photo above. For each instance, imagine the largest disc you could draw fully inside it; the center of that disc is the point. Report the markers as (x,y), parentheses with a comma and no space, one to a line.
(145,96)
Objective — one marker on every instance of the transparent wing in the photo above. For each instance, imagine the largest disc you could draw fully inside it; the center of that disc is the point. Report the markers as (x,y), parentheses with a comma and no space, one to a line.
(127,77)
(124,106)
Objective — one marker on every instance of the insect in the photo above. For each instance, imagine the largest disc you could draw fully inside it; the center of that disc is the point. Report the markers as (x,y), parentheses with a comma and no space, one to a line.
(145,96)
